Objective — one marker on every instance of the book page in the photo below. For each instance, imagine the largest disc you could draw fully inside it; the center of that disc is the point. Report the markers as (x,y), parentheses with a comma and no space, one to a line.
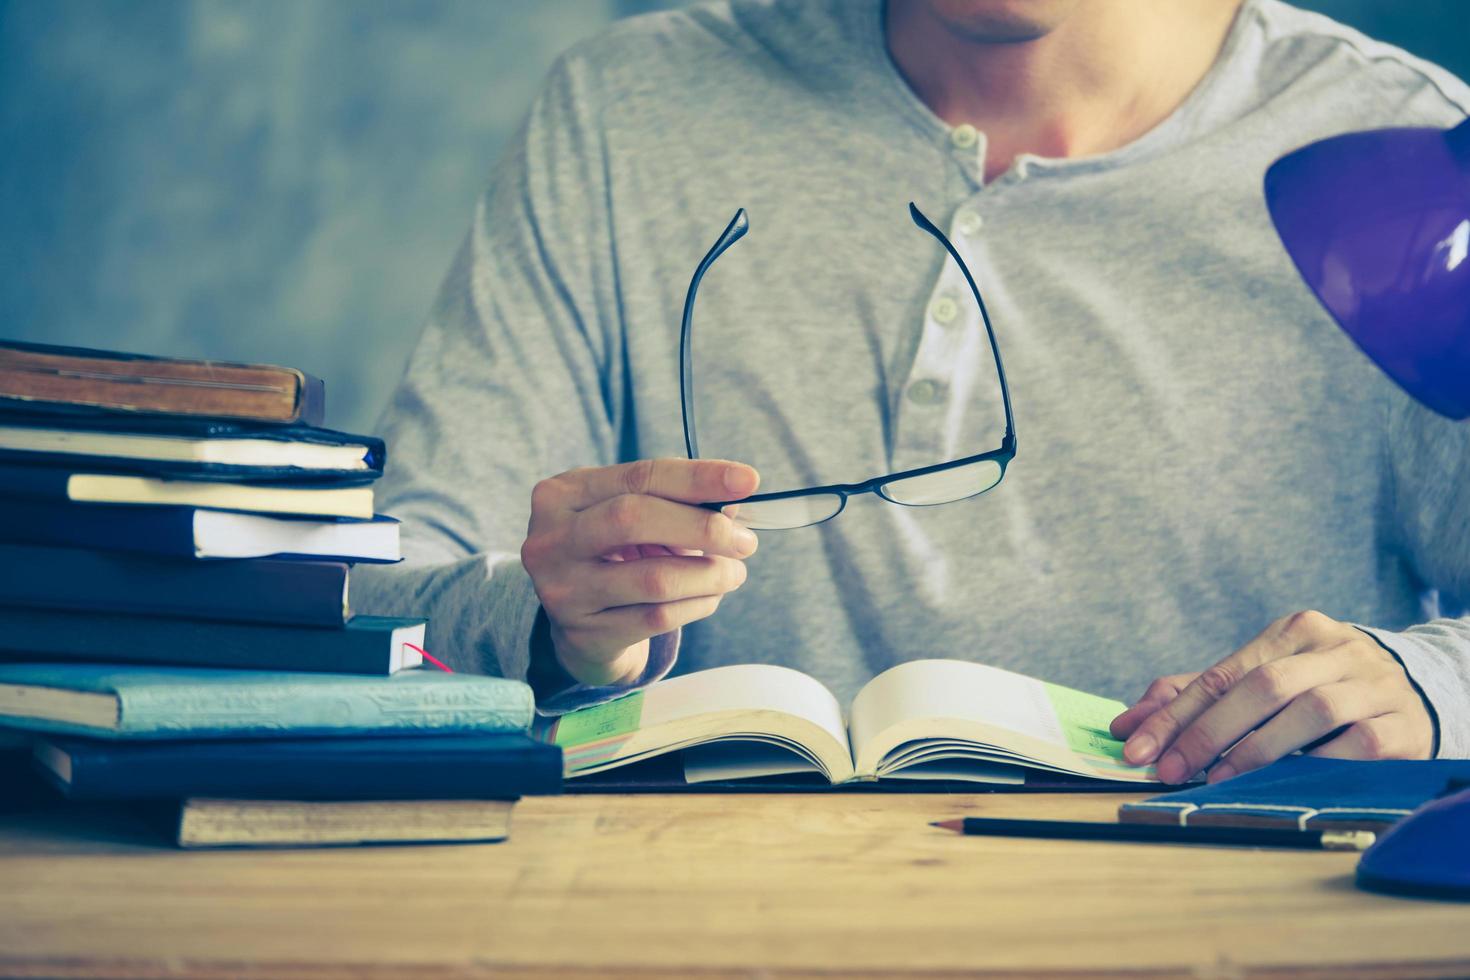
(754,701)
(989,714)
(737,758)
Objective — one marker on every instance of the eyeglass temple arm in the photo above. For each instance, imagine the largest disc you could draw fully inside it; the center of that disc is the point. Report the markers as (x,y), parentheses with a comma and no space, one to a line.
(1005,391)
(733,232)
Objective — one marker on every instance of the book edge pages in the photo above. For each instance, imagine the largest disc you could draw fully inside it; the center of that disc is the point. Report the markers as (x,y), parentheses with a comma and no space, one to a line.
(89,709)
(104,488)
(212,822)
(400,656)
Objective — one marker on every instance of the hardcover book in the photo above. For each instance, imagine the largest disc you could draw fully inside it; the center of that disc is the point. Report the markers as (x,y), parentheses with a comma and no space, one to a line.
(193,532)
(299,593)
(37,376)
(47,483)
(110,701)
(924,720)
(196,450)
(445,767)
(366,645)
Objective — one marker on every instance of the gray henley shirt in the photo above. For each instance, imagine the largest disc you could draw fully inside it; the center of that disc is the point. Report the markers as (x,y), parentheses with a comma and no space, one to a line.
(1200,449)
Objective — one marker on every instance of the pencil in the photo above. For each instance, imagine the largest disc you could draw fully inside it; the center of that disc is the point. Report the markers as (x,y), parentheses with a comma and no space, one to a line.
(1142,833)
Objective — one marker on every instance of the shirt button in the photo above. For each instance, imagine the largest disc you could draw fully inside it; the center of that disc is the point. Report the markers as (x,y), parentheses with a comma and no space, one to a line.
(968,223)
(964,136)
(926,392)
(944,310)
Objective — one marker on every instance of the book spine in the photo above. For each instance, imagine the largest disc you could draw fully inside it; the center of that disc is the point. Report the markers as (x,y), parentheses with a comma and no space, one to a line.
(31,634)
(1168,813)
(1267,815)
(298,710)
(318,770)
(150,530)
(34,482)
(282,592)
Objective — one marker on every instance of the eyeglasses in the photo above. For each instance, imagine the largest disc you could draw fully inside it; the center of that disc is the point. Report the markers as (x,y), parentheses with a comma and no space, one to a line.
(944,483)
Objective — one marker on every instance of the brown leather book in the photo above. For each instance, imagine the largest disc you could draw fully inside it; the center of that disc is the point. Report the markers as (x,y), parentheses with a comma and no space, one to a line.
(42,377)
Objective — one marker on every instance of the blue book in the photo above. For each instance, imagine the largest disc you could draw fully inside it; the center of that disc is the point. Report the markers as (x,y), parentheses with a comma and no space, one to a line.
(446,767)
(121,702)
(1308,793)
(364,645)
(195,532)
(297,593)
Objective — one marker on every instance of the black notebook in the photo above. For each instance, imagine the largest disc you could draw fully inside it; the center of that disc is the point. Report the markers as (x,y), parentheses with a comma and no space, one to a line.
(59,485)
(195,449)
(305,593)
(195,532)
(366,645)
(417,767)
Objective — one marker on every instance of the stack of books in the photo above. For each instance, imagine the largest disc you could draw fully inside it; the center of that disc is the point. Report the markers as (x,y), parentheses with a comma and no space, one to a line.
(176,543)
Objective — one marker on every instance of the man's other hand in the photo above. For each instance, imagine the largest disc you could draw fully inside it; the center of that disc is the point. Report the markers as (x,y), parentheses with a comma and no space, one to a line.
(619,554)
(1307,681)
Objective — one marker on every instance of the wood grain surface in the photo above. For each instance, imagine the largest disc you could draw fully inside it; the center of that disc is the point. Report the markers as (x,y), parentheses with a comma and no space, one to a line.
(710,886)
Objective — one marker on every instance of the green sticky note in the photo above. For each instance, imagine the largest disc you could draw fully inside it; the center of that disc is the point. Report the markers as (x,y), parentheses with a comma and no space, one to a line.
(1085,719)
(601,721)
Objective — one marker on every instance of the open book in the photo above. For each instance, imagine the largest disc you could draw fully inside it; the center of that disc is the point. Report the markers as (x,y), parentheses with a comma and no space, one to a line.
(929,719)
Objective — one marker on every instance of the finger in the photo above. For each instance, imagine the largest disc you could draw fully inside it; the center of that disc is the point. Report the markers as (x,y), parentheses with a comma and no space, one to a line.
(1389,736)
(1159,693)
(632,552)
(1258,696)
(1308,717)
(630,624)
(1281,639)
(654,550)
(633,519)
(664,579)
(692,481)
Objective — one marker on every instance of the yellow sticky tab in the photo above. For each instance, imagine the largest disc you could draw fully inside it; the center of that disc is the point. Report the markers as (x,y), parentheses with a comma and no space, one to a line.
(601,721)
(1085,719)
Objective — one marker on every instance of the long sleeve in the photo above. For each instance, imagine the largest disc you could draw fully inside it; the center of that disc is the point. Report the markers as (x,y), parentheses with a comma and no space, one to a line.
(1430,458)
(513,380)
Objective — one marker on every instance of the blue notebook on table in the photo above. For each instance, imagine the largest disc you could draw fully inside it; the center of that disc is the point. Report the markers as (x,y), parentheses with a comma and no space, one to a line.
(1308,793)
(441,767)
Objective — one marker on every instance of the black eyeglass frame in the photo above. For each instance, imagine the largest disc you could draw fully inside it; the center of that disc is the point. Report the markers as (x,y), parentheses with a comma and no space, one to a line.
(736,230)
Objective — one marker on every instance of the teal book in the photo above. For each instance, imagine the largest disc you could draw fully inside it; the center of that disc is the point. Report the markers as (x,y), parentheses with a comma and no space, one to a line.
(124,702)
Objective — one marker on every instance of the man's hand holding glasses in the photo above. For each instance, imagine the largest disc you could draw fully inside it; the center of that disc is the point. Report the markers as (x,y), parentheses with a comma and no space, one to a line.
(619,554)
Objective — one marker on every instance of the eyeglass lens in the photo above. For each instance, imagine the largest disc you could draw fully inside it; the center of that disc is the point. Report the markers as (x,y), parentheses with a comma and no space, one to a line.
(785,513)
(940,487)
(944,486)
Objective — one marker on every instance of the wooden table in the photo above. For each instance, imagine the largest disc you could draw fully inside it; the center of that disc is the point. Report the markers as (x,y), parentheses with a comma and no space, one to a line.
(707,886)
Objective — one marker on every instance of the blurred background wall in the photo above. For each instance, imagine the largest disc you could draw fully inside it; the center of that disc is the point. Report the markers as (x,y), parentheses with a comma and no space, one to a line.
(287,180)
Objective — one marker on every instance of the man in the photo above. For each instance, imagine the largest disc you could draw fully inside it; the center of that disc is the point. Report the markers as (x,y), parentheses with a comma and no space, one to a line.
(1201,452)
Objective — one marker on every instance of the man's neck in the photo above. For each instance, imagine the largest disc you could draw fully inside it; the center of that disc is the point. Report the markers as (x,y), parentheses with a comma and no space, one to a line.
(1108,74)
